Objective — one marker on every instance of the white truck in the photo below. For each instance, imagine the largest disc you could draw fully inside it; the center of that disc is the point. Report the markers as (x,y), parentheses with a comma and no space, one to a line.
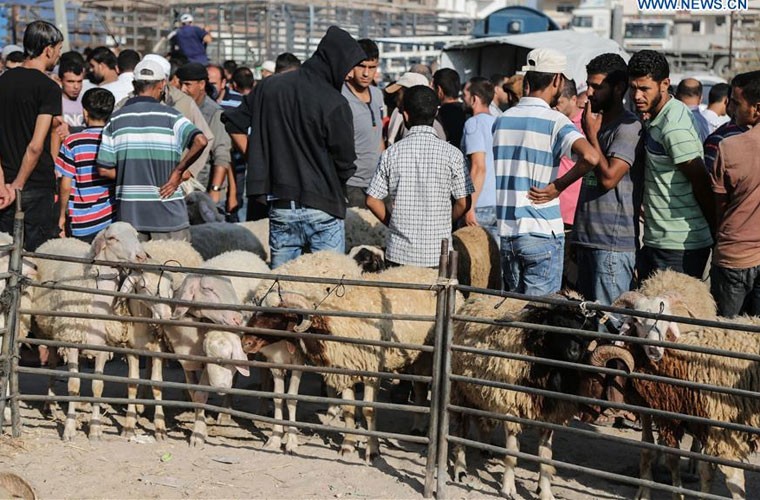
(690,41)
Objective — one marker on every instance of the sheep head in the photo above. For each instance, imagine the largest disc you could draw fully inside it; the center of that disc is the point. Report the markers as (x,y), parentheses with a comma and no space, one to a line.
(119,243)
(648,328)
(227,346)
(370,258)
(150,283)
(208,289)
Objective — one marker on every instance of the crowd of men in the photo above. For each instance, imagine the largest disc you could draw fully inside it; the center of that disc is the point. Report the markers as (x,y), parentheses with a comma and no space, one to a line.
(590,184)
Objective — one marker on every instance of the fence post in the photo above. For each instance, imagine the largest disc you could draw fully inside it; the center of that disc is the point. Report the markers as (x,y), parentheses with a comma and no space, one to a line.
(10,346)
(444,397)
(430,466)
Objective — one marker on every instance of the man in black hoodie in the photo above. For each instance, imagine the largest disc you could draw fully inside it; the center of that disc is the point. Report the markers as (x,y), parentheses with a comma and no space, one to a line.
(301,148)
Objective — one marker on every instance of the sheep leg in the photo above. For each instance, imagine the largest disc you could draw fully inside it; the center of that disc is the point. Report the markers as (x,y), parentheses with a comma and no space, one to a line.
(419,424)
(460,424)
(198,437)
(508,487)
(546,472)
(275,440)
(133,362)
(291,442)
(734,481)
(705,476)
(157,375)
(349,440)
(96,429)
(646,458)
(224,418)
(674,465)
(72,360)
(50,407)
(373,447)
(333,411)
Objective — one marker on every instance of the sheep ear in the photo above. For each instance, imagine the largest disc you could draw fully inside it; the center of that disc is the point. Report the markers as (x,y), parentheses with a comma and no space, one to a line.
(672,333)
(98,244)
(291,347)
(187,291)
(628,300)
(239,355)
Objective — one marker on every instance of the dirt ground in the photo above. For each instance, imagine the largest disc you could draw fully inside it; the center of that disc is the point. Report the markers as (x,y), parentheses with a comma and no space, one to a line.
(233,464)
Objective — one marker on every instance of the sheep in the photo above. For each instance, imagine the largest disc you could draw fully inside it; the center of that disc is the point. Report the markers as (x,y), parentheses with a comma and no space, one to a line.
(201,208)
(117,242)
(704,368)
(353,356)
(260,230)
(479,259)
(370,258)
(363,228)
(171,252)
(238,260)
(215,238)
(531,342)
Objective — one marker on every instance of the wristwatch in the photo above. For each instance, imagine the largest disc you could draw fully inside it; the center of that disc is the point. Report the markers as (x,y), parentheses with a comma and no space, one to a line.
(216,188)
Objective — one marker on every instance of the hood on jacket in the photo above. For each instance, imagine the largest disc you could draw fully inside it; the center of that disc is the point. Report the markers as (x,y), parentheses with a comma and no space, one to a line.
(336,54)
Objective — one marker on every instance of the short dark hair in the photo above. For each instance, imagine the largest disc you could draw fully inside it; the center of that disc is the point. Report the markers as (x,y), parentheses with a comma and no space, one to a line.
(497,79)
(370,48)
(421,103)
(482,88)
(648,63)
(447,80)
(750,85)
(285,62)
(610,64)
(103,55)
(39,35)
(72,55)
(538,80)
(230,66)
(570,90)
(141,86)
(686,88)
(16,57)
(127,60)
(718,92)
(99,103)
(242,77)
(70,65)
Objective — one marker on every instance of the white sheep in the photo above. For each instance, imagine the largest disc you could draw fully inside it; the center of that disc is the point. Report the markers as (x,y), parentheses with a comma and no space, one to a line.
(239,260)
(173,253)
(363,228)
(532,342)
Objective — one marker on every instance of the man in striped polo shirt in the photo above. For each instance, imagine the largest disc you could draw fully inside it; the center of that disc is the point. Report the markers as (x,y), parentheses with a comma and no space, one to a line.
(529,141)
(142,149)
(678,202)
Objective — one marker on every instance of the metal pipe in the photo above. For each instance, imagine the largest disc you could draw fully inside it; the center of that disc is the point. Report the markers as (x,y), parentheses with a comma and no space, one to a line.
(443,443)
(440,310)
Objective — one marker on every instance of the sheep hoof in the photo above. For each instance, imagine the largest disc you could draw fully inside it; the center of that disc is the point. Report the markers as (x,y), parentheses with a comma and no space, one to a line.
(460,476)
(223,419)
(128,433)
(96,433)
(273,443)
(347,449)
(69,431)
(291,444)
(197,440)
(509,491)
(160,434)
(371,457)
(139,409)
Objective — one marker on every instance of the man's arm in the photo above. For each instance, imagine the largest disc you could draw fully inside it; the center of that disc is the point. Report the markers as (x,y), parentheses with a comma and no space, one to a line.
(339,139)
(194,151)
(589,159)
(695,171)
(377,207)
(7,195)
(460,207)
(64,193)
(478,176)
(33,151)
(240,143)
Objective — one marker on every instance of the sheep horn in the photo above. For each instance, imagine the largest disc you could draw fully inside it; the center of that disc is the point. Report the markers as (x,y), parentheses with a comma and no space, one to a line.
(628,299)
(299,302)
(605,353)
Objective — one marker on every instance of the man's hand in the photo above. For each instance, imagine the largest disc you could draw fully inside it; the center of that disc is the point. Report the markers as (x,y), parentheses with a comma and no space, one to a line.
(62,130)
(7,195)
(592,122)
(186,175)
(171,185)
(543,195)
(470,219)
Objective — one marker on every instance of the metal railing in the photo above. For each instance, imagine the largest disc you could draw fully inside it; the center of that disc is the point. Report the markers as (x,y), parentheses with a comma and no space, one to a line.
(440,377)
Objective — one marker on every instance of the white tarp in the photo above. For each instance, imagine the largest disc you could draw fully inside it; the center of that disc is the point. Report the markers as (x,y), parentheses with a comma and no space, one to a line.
(507,54)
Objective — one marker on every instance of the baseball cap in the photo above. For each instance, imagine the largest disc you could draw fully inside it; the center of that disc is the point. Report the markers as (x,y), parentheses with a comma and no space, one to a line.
(547,61)
(161,60)
(149,71)
(10,49)
(407,80)
(269,66)
(186,18)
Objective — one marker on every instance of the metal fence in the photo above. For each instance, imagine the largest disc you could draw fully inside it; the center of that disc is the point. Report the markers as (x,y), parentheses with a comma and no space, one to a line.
(440,437)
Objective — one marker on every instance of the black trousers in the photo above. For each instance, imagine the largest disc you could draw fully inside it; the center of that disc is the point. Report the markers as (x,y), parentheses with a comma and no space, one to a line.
(40,217)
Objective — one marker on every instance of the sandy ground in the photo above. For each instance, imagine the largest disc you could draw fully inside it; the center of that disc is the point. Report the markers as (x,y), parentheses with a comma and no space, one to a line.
(233,464)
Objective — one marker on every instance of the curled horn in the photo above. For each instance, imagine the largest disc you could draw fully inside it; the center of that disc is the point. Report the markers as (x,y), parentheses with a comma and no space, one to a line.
(605,353)
(296,301)
(628,299)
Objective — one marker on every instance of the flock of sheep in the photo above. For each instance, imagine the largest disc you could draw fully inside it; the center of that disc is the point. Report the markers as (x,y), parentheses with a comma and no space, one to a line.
(666,293)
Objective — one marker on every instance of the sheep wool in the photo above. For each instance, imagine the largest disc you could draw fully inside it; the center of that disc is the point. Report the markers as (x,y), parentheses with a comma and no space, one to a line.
(239,260)
(363,228)
(479,260)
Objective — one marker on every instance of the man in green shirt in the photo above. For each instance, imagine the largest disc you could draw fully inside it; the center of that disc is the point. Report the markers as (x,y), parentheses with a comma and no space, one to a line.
(678,202)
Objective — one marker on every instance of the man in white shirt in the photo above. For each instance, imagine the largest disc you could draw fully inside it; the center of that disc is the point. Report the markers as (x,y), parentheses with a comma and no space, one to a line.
(122,86)
(716,114)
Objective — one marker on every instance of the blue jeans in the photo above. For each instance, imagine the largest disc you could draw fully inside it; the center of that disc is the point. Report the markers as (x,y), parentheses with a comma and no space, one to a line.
(486,217)
(605,274)
(532,264)
(294,231)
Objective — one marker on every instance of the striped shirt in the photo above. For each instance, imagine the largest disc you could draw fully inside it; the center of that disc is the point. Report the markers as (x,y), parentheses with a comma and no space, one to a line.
(672,217)
(712,142)
(529,141)
(91,203)
(144,141)
(422,174)
(232,99)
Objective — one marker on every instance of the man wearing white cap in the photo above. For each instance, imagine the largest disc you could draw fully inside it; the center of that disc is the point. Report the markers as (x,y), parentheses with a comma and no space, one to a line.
(268,68)
(147,184)
(396,128)
(8,50)
(529,141)
(191,40)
